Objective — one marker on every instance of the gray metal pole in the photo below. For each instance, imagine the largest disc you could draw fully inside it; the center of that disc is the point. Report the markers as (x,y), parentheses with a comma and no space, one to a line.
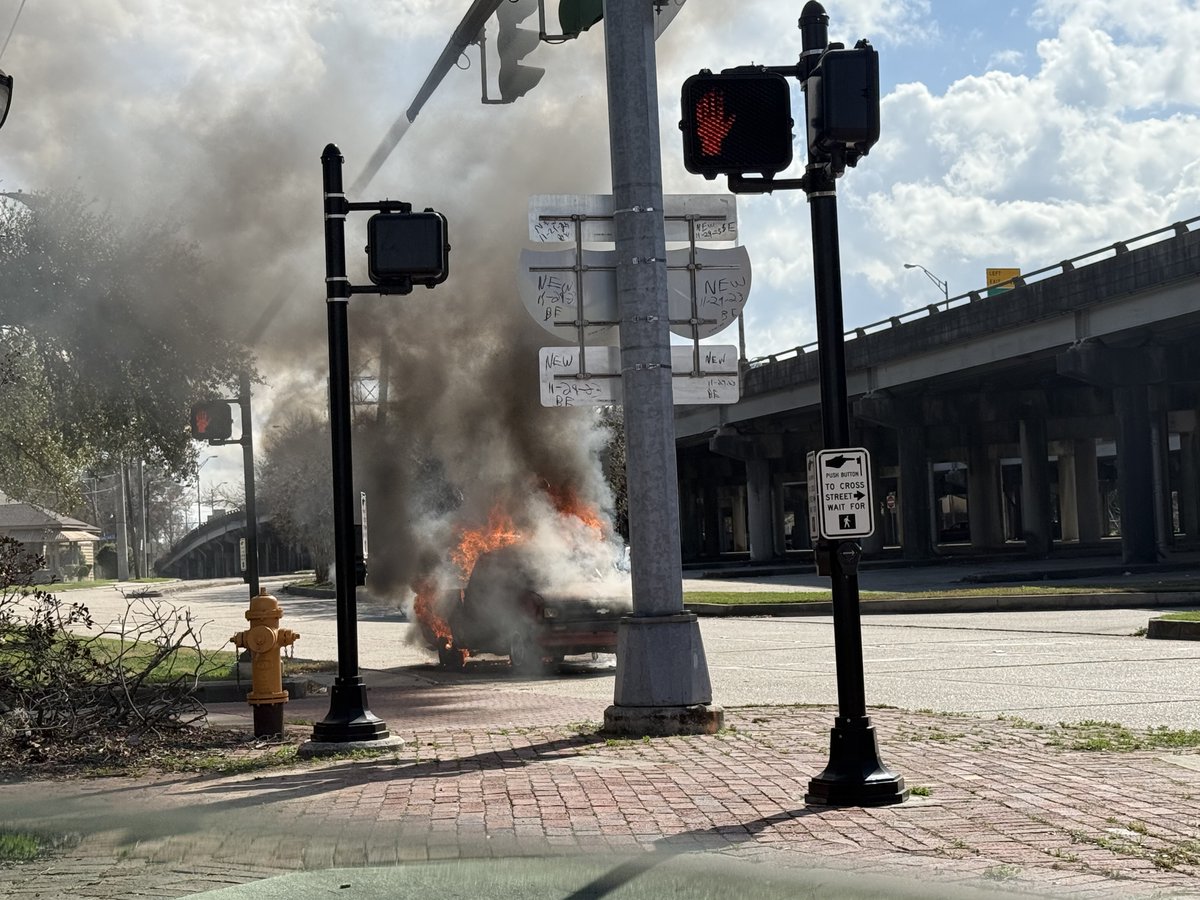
(662,683)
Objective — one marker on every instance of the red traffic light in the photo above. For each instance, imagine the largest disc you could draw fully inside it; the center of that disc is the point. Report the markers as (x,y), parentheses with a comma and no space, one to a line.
(736,123)
(212,421)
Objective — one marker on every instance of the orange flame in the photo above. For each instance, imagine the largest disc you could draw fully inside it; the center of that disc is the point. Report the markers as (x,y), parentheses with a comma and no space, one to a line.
(567,503)
(427,615)
(474,542)
(500,531)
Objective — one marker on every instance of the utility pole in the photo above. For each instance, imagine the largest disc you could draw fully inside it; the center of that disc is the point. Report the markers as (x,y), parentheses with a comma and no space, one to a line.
(662,683)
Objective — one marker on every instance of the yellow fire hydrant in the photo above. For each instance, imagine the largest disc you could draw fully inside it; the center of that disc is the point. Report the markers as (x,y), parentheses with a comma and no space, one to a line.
(264,639)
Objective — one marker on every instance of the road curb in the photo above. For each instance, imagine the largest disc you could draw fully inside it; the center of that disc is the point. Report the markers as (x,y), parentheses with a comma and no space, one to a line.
(1005,603)
(1173,630)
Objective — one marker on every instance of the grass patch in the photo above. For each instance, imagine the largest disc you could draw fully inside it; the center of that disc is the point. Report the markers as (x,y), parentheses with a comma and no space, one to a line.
(742,598)
(1191,615)
(209,664)
(1110,736)
(308,666)
(1003,872)
(921,791)
(19,846)
(220,764)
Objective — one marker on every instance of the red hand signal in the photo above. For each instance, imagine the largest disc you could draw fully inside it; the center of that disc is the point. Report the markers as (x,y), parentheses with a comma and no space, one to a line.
(711,125)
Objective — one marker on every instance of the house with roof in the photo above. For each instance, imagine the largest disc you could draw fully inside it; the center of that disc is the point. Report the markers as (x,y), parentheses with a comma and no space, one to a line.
(68,545)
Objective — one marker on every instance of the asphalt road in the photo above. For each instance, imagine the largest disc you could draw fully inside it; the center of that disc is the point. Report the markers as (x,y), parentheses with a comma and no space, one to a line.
(1046,667)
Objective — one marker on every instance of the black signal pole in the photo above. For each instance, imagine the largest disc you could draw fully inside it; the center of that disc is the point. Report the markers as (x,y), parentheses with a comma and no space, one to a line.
(855,775)
(247,442)
(348,719)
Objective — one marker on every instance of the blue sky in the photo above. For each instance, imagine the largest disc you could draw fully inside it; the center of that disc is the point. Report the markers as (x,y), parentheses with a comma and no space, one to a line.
(1014,134)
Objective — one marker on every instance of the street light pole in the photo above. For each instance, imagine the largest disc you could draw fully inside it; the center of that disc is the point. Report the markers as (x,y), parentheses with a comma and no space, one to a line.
(199,514)
(943,286)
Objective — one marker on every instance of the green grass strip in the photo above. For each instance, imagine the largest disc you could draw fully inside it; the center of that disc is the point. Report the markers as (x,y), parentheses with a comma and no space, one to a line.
(1192,615)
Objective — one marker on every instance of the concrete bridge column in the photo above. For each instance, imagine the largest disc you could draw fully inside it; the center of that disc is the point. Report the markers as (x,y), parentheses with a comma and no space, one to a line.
(691,508)
(1036,513)
(916,510)
(1129,372)
(872,440)
(778,531)
(760,510)
(1189,488)
(1079,492)
(712,520)
(741,536)
(983,496)
(1160,442)
(1135,474)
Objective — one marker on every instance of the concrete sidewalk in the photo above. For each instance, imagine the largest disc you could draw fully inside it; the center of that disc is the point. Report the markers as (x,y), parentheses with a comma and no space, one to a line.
(521,774)
(495,770)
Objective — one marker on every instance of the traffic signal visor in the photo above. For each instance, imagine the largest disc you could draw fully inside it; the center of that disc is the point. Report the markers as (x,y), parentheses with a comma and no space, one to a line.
(735,123)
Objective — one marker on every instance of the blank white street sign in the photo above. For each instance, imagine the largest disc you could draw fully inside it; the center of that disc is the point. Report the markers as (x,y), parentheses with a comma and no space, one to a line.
(844,493)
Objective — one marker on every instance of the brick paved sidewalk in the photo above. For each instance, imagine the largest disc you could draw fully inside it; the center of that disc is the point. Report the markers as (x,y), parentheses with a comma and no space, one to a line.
(1000,803)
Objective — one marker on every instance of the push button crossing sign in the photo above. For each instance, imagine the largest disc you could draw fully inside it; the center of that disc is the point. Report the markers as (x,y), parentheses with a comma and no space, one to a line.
(843,478)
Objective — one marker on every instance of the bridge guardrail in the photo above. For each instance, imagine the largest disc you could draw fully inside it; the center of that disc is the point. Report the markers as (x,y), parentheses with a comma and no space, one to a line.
(1177,229)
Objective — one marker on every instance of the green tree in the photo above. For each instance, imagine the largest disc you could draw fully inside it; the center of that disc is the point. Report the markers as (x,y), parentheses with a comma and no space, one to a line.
(35,461)
(123,323)
(294,486)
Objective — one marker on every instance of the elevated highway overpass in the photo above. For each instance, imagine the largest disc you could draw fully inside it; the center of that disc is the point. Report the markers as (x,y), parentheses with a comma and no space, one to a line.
(213,550)
(1062,410)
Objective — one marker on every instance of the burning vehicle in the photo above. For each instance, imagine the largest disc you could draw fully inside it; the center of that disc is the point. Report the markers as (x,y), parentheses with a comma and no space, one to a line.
(535,598)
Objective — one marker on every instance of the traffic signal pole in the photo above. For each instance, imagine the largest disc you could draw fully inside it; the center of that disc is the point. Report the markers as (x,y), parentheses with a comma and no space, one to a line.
(251,510)
(855,774)
(662,684)
(348,719)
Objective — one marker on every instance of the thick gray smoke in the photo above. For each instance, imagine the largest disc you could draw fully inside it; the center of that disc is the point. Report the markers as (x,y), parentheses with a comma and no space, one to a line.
(220,123)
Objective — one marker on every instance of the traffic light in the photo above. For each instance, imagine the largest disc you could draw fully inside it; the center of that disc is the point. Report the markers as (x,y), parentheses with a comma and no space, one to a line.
(575,16)
(736,123)
(513,44)
(212,420)
(843,103)
(404,249)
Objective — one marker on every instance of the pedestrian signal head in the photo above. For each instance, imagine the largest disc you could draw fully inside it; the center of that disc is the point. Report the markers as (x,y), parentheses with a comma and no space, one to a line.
(212,421)
(737,123)
(404,249)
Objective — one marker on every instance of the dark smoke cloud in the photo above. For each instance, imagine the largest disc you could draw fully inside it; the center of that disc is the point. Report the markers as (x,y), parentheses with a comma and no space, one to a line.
(218,119)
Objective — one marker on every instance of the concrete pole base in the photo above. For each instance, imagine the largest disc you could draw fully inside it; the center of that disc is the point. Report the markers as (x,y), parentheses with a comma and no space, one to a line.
(662,685)
(663,721)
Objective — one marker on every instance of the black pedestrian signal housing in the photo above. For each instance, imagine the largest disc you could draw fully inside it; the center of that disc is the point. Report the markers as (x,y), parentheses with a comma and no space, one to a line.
(406,249)
(212,420)
(843,103)
(737,122)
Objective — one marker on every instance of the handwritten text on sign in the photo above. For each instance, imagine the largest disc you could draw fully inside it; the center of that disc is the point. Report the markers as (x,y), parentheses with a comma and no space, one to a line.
(716,380)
